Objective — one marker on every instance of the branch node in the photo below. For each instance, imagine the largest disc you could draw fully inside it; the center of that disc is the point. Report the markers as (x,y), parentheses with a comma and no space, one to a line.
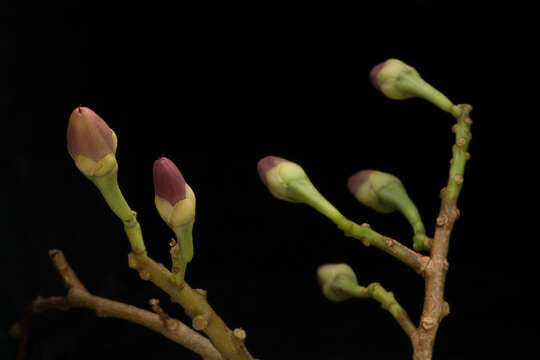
(200,322)
(144,275)
(168,322)
(445,309)
(202,292)
(461,141)
(442,220)
(428,323)
(446,265)
(240,334)
(443,192)
(365,241)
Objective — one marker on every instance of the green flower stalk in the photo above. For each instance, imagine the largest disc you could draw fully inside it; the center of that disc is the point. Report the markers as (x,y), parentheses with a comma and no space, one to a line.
(399,81)
(92,145)
(287,181)
(175,203)
(385,193)
(338,283)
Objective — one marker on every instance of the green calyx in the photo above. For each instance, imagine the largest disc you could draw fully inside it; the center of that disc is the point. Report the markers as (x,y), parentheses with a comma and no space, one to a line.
(338,281)
(398,81)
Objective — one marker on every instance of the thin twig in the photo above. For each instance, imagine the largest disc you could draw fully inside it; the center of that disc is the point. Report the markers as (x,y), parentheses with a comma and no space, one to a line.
(79,297)
(435,307)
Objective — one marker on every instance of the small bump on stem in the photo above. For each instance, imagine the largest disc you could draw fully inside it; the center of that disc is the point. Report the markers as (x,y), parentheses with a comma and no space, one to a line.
(443,192)
(446,265)
(145,275)
(442,220)
(201,292)
(199,322)
(461,141)
(428,323)
(458,179)
(240,334)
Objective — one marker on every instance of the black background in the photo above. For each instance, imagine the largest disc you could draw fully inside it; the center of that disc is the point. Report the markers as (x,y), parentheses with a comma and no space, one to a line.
(215,89)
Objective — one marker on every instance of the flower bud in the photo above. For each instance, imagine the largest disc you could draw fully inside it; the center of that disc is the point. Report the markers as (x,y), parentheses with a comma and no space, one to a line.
(369,187)
(337,281)
(91,142)
(385,193)
(175,202)
(277,173)
(399,81)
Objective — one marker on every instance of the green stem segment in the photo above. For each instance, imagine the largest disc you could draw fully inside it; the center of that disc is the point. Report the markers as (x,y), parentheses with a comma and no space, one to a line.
(395,194)
(420,88)
(385,298)
(108,186)
(459,150)
(305,192)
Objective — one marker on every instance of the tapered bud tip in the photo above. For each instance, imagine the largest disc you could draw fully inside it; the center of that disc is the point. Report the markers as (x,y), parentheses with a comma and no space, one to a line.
(358,180)
(89,135)
(266,164)
(169,184)
(373,75)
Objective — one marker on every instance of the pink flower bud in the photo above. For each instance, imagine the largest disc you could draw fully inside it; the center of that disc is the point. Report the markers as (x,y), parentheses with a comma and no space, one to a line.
(266,164)
(169,184)
(373,75)
(89,135)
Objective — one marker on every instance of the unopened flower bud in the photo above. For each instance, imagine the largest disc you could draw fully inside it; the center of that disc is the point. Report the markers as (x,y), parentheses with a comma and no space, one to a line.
(399,81)
(385,193)
(370,188)
(277,173)
(337,281)
(175,202)
(288,181)
(91,142)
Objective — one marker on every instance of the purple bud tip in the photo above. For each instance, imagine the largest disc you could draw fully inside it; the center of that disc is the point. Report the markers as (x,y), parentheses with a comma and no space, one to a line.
(373,75)
(89,135)
(357,180)
(169,184)
(266,163)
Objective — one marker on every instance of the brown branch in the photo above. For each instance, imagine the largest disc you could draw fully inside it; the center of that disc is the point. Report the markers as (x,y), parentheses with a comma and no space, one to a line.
(435,307)
(79,297)
(204,318)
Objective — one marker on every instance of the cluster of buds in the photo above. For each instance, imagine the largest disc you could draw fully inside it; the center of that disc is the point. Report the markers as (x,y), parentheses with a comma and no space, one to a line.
(92,145)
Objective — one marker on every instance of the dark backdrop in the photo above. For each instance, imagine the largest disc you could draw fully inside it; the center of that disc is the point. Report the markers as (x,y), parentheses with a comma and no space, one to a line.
(219,87)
